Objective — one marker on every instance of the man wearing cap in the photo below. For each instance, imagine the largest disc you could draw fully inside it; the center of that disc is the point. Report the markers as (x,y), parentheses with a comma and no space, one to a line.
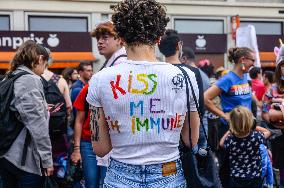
(94,170)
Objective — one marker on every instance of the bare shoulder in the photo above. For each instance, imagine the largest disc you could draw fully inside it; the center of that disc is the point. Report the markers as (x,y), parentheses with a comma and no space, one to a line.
(62,84)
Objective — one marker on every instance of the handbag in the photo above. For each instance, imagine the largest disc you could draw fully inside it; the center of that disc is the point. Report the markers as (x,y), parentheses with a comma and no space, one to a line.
(49,182)
(199,171)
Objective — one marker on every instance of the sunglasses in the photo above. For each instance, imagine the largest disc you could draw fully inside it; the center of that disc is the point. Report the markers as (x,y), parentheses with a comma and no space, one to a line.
(253,60)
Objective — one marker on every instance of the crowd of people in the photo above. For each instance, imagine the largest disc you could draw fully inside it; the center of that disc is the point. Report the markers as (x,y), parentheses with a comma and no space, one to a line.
(122,126)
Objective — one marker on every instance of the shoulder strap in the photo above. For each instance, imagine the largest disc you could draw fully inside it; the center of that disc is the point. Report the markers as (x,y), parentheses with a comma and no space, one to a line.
(25,149)
(55,78)
(188,83)
(18,75)
(122,55)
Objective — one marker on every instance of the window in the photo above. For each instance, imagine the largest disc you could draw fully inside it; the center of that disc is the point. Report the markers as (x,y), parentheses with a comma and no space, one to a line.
(265,28)
(4,22)
(199,26)
(104,17)
(56,23)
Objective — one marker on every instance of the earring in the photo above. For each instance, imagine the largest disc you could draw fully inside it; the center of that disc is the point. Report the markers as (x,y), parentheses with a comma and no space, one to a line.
(243,67)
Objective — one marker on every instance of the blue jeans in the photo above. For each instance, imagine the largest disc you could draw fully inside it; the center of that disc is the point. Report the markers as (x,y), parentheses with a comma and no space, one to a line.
(93,174)
(13,177)
(142,176)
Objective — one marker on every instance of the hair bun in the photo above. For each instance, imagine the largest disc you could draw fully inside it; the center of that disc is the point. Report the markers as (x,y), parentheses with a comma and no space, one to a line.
(232,54)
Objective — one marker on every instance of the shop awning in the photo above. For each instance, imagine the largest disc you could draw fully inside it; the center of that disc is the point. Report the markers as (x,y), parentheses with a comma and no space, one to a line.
(60,59)
(68,49)
(267,59)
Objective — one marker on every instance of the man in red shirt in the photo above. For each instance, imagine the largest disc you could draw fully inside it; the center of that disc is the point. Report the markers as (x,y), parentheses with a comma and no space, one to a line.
(83,117)
(256,82)
(93,173)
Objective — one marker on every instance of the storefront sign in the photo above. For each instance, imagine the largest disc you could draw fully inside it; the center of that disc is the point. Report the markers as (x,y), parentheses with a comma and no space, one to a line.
(55,41)
(266,43)
(205,43)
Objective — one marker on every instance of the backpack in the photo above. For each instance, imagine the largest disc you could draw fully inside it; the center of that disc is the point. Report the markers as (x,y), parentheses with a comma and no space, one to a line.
(10,124)
(58,120)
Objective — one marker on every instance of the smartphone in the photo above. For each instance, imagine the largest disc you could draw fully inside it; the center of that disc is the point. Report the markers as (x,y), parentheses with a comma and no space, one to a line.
(57,105)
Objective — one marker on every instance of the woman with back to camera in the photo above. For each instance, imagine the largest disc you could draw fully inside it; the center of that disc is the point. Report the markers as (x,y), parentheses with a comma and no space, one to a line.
(137,109)
(30,103)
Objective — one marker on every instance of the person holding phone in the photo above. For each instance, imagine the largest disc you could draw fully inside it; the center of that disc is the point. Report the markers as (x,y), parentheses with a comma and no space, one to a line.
(30,103)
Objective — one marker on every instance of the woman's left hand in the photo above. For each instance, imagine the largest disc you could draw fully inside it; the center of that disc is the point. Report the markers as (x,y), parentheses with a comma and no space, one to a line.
(48,171)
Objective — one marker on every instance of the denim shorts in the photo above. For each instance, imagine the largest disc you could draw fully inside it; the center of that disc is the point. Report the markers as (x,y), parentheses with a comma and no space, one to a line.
(122,175)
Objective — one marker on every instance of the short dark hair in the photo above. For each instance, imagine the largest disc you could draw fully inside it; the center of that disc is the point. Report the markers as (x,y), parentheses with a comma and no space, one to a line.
(269,75)
(253,72)
(188,53)
(169,43)
(84,64)
(140,21)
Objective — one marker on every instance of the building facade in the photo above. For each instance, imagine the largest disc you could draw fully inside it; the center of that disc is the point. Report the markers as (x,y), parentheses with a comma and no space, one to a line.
(206,26)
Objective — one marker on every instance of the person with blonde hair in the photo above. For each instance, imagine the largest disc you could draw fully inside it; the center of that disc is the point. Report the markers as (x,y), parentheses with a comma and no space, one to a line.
(242,142)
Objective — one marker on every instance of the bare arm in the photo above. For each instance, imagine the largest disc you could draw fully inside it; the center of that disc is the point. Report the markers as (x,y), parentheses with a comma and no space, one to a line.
(209,95)
(257,102)
(64,89)
(100,135)
(194,125)
(223,138)
(266,132)
(265,116)
(80,118)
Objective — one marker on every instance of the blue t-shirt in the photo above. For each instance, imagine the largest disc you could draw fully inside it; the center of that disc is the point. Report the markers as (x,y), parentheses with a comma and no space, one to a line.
(75,89)
(235,91)
(244,155)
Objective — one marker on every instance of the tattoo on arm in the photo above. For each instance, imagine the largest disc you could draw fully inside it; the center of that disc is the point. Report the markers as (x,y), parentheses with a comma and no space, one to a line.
(94,123)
